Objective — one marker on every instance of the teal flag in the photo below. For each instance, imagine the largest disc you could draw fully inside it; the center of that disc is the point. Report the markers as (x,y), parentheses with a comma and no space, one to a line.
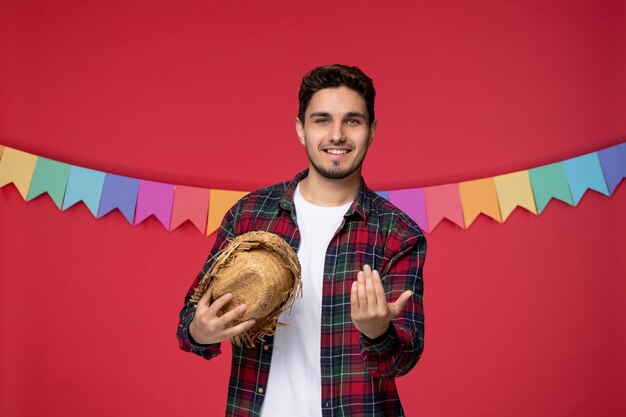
(84,185)
(51,177)
(583,173)
(547,182)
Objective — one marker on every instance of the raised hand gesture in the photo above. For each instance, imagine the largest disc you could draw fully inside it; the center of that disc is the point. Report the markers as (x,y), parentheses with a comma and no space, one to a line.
(370,312)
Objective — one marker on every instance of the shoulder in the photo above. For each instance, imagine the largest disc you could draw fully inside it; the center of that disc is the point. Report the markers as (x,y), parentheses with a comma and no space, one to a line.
(262,198)
(278,188)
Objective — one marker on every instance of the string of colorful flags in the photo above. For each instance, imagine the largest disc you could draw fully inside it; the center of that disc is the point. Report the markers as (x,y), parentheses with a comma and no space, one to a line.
(173,205)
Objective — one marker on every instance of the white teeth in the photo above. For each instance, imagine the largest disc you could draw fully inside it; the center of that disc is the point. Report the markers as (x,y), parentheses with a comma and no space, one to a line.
(336,151)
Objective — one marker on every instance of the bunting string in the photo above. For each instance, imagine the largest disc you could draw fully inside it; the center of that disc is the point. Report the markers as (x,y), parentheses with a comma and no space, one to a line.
(172,205)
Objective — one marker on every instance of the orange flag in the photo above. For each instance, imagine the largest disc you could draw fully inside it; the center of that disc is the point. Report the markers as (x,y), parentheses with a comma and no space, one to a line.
(479,196)
(220,201)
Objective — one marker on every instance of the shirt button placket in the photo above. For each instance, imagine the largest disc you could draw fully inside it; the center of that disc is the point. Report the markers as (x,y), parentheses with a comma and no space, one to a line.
(266,348)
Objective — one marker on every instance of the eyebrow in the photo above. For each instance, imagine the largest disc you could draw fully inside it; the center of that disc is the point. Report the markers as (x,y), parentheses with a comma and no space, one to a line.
(319,114)
(356,114)
(326,114)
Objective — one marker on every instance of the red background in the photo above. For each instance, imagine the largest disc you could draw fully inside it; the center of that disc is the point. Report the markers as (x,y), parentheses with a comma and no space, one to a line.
(524,318)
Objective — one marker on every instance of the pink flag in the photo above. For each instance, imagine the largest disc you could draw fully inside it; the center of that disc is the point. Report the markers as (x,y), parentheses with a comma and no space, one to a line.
(443,201)
(190,203)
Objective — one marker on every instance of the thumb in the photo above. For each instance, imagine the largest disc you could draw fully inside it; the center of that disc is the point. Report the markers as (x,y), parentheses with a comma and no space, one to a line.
(397,307)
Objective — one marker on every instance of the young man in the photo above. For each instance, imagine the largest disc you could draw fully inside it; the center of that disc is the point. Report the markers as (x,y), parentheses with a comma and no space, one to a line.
(360,323)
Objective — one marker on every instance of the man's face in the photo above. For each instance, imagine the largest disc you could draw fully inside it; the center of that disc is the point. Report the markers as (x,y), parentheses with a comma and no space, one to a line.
(336,132)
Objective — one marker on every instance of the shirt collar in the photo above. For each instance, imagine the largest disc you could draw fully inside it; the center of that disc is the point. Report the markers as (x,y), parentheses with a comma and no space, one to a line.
(361,204)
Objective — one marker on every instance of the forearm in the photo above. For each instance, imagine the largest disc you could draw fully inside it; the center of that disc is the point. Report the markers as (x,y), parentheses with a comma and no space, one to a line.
(394,354)
(185,340)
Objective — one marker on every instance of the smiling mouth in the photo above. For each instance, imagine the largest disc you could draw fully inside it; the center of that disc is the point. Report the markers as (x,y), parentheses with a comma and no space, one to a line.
(337,151)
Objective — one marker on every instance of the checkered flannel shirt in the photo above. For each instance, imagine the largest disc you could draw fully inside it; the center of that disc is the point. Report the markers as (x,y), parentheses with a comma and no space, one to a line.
(358,374)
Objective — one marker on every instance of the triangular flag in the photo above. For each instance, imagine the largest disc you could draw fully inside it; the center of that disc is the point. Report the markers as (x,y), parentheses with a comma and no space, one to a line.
(514,190)
(412,203)
(17,167)
(84,185)
(479,196)
(443,201)
(154,198)
(613,161)
(190,203)
(549,181)
(119,192)
(584,173)
(220,201)
(51,177)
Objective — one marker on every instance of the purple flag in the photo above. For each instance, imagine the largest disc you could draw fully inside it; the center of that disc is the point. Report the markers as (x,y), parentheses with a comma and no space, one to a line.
(383,194)
(119,193)
(613,161)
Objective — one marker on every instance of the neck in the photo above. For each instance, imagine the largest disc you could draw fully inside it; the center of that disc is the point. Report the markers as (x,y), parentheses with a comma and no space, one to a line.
(327,192)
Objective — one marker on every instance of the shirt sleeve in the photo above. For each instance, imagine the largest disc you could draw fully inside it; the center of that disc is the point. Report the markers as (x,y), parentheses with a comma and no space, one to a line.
(397,351)
(185,341)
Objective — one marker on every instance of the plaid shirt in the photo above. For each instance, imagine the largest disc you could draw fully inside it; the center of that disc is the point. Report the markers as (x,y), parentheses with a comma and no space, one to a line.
(357,373)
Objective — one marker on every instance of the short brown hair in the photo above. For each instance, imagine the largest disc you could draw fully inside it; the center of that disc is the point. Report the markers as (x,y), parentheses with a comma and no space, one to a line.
(336,75)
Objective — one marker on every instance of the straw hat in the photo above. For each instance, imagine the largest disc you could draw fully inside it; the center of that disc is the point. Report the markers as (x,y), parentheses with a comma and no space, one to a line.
(261,271)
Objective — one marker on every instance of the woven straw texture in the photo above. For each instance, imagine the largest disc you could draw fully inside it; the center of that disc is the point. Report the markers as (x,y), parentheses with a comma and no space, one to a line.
(261,271)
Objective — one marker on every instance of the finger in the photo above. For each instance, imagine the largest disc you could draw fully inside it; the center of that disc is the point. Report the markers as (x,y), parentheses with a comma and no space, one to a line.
(381,298)
(369,288)
(361,292)
(397,307)
(354,297)
(241,327)
(233,314)
(219,303)
(205,300)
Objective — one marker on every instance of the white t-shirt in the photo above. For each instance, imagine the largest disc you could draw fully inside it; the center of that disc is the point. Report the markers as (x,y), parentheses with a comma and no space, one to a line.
(294,385)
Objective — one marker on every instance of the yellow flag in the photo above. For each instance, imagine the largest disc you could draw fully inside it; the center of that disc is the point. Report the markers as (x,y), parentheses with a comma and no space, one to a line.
(17,167)
(514,190)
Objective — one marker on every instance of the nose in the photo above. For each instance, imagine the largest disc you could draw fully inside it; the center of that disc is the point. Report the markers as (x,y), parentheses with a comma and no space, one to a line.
(337,133)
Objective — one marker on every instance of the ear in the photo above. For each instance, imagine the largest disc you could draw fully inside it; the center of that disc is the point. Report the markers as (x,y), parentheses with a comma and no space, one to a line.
(300,130)
(372,131)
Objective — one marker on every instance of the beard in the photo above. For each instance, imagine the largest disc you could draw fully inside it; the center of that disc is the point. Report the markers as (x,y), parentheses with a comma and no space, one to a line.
(335,172)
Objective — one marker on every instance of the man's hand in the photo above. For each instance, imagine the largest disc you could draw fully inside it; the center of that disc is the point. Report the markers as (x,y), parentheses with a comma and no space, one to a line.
(206,327)
(370,312)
